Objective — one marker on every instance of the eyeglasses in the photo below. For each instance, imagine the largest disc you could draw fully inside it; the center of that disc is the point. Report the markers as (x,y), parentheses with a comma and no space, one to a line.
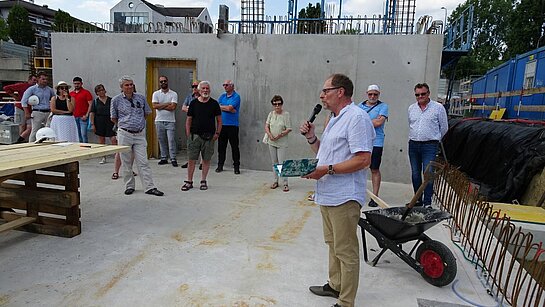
(420,94)
(226,84)
(277,104)
(372,94)
(326,90)
(163,81)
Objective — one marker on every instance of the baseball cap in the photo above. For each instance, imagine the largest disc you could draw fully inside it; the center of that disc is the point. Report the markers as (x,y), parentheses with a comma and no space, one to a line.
(373,87)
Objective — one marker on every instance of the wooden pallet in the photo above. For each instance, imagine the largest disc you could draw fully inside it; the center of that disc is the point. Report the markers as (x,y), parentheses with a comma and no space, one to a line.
(50,197)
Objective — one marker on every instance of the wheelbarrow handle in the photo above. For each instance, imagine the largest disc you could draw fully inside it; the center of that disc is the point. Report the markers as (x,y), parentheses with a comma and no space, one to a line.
(428,176)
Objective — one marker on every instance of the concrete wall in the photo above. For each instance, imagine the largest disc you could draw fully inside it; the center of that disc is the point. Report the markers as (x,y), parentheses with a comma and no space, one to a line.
(294,66)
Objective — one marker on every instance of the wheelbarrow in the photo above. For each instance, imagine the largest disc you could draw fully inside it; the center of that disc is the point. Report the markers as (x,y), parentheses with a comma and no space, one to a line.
(392,227)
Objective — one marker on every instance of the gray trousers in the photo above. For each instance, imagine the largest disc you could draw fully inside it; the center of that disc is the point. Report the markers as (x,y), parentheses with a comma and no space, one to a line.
(277,156)
(39,120)
(137,142)
(167,139)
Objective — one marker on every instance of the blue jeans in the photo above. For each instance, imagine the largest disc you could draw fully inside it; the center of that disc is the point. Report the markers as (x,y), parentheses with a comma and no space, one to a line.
(82,130)
(420,155)
(167,139)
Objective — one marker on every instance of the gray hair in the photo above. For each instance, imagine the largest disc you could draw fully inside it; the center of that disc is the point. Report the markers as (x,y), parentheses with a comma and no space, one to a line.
(203,83)
(124,79)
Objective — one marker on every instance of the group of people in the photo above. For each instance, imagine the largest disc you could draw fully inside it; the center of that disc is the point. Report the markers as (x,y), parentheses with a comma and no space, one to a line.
(352,141)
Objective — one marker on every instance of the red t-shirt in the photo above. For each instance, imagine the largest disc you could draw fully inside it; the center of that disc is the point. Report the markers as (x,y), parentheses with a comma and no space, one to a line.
(20,88)
(82,99)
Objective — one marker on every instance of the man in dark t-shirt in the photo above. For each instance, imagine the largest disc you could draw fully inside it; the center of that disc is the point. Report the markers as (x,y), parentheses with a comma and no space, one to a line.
(203,126)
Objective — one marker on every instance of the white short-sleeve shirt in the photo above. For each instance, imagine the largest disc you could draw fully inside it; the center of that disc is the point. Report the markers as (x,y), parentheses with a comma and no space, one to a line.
(162,97)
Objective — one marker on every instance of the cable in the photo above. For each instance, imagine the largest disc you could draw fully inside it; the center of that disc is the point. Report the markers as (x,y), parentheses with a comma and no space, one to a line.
(465,299)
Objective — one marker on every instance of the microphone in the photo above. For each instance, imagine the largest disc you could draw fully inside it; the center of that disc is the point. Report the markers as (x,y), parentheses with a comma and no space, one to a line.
(315,112)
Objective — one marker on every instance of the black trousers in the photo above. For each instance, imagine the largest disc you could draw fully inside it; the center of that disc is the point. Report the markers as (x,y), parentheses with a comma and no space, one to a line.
(228,134)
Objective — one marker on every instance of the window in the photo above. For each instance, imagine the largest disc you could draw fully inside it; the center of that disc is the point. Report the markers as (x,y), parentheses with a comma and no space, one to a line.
(131,17)
(529,74)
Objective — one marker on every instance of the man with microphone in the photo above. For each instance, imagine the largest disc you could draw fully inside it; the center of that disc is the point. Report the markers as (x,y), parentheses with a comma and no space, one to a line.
(344,154)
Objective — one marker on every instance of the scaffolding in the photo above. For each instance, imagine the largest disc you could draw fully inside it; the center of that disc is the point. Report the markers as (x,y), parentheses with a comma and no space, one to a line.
(252,15)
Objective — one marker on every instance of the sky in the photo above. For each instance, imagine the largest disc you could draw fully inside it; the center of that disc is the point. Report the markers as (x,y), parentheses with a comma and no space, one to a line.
(99,10)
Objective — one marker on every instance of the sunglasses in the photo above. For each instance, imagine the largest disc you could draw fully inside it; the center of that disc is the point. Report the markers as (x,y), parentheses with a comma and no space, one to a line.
(132,104)
(420,94)
(194,86)
(372,94)
(163,81)
(277,104)
(226,84)
(63,87)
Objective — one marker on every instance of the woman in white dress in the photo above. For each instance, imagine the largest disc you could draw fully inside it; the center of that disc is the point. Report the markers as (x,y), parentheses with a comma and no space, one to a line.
(63,121)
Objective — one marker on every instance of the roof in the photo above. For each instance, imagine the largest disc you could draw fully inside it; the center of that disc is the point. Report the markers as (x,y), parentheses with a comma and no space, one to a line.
(30,7)
(175,11)
(35,9)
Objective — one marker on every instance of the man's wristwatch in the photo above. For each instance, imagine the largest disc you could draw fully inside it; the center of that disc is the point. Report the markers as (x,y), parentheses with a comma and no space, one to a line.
(330,170)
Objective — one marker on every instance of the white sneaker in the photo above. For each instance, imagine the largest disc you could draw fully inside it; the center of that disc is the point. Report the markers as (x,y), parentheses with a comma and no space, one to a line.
(103,160)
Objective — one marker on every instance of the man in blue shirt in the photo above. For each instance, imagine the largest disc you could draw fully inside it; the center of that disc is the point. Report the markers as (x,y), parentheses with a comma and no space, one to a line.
(378,111)
(40,112)
(230,108)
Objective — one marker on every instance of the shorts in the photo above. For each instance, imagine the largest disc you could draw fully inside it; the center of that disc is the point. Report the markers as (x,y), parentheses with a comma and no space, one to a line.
(376,158)
(196,145)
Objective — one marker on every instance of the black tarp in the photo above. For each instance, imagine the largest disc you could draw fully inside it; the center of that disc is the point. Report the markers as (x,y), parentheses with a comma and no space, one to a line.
(502,157)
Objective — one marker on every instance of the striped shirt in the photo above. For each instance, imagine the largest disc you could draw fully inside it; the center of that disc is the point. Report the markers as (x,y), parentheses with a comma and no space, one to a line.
(130,113)
(430,124)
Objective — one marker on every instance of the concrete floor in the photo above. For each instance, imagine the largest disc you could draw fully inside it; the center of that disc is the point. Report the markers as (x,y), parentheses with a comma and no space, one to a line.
(237,244)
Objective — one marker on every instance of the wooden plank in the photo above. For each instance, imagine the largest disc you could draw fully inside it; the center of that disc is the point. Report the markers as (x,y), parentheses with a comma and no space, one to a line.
(377,199)
(526,92)
(528,108)
(22,159)
(17,223)
(42,208)
(48,179)
(45,225)
(65,199)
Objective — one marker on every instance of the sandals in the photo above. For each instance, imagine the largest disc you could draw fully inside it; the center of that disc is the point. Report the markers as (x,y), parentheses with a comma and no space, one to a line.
(286,188)
(203,186)
(115,176)
(274,185)
(187,185)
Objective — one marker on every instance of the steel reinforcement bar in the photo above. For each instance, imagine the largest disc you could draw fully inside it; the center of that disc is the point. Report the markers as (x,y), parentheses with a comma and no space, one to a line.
(509,263)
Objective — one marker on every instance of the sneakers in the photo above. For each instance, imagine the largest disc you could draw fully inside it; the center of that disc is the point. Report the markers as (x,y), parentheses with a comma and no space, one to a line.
(174,163)
(129,191)
(324,290)
(102,161)
(372,203)
(219,169)
(163,162)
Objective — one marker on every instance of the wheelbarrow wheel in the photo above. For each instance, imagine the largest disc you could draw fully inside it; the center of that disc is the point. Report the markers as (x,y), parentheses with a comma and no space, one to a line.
(438,263)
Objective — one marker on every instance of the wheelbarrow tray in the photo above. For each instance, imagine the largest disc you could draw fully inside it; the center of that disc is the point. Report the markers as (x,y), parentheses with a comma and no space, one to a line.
(388,221)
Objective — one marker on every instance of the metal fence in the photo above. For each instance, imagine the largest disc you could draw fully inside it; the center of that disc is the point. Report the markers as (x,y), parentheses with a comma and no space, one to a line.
(509,263)
(364,25)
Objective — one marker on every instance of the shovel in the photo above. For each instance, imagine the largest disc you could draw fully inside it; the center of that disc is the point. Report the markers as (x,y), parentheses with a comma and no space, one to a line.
(428,176)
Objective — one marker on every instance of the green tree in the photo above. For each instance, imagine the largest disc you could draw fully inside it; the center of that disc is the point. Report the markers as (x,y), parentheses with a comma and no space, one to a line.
(20,28)
(525,27)
(4,30)
(63,22)
(310,26)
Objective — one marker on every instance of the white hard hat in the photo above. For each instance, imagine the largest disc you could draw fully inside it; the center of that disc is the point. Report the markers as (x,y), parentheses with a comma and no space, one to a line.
(45,134)
(33,100)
